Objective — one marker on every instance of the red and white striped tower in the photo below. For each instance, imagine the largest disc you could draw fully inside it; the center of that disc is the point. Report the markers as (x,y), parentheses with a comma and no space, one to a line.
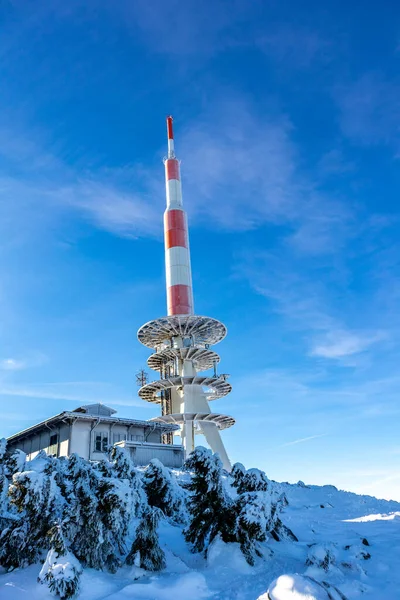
(176,236)
(182,339)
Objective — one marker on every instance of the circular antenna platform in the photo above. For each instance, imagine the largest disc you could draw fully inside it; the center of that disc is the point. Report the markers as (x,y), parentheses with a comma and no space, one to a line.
(203,359)
(203,330)
(221,421)
(219,387)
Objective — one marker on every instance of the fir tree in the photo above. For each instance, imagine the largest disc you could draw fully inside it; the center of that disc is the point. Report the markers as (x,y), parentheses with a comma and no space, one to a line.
(85,527)
(123,468)
(146,551)
(15,462)
(3,482)
(121,462)
(210,510)
(36,497)
(114,512)
(100,513)
(252,480)
(163,491)
(15,548)
(104,467)
(237,473)
(254,519)
(61,571)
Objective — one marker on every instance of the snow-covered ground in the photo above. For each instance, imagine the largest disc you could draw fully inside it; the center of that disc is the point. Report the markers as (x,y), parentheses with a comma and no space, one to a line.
(323,518)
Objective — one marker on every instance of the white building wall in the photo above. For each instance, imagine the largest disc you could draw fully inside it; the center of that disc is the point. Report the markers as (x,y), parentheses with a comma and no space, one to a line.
(80,438)
(63,442)
(142,454)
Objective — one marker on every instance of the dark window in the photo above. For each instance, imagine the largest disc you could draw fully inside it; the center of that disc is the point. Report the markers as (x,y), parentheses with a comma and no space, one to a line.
(53,444)
(101,442)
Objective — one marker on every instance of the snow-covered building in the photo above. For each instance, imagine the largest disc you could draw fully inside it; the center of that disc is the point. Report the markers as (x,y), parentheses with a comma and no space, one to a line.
(91,429)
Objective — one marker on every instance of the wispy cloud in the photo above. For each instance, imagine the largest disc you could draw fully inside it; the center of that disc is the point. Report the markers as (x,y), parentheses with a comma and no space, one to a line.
(302,440)
(78,391)
(338,344)
(295,46)
(19,364)
(252,165)
(111,207)
(11,364)
(306,295)
(249,162)
(370,109)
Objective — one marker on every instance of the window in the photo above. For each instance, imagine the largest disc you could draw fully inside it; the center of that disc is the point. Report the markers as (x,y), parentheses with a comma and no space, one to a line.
(118,437)
(137,438)
(53,445)
(101,441)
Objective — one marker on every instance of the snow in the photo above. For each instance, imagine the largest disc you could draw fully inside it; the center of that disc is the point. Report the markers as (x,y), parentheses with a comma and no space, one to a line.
(294,587)
(191,585)
(361,533)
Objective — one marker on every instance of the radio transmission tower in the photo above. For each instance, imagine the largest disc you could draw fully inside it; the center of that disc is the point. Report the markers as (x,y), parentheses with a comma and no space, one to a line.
(141,378)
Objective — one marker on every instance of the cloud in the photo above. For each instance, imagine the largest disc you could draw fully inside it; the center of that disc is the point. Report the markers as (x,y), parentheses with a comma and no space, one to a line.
(109,207)
(194,32)
(252,166)
(334,163)
(247,161)
(310,397)
(370,109)
(295,45)
(77,391)
(339,344)
(317,299)
(14,364)
(10,364)
(302,440)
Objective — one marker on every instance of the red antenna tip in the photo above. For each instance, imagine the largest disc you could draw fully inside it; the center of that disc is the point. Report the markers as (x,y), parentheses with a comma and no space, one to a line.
(169,128)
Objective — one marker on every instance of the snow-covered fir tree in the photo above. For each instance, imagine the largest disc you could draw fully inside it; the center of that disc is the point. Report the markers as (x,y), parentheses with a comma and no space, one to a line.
(115,509)
(101,508)
(237,473)
(15,462)
(163,491)
(104,467)
(123,468)
(3,482)
(254,519)
(121,462)
(61,570)
(36,497)
(252,480)
(146,551)
(210,509)
(85,527)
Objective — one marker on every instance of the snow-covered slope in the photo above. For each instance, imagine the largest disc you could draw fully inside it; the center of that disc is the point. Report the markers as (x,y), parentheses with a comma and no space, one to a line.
(355,538)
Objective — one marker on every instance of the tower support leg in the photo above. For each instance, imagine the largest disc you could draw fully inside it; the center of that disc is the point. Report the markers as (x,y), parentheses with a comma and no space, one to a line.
(188,437)
(215,442)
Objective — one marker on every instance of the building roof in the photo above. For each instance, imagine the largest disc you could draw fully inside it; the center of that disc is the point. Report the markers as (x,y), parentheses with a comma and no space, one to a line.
(83,414)
(97,409)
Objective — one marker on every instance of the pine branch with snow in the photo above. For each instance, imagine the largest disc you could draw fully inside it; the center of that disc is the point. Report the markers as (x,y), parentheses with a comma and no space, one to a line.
(85,527)
(210,509)
(253,522)
(163,491)
(146,551)
(36,497)
(61,570)
(123,468)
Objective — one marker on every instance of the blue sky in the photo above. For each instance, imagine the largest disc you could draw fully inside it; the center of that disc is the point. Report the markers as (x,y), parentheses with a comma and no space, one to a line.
(287,122)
